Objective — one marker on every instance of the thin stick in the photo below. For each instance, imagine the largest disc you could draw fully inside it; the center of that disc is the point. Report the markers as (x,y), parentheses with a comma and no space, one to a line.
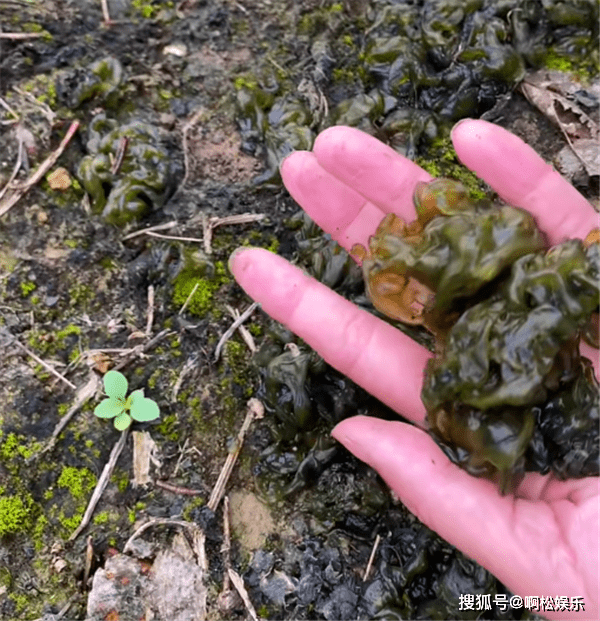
(175,489)
(121,151)
(189,297)
(180,459)
(156,227)
(45,108)
(15,171)
(46,366)
(238,583)
(208,225)
(8,108)
(140,349)
(150,319)
(189,365)
(372,557)
(207,234)
(242,218)
(226,547)
(18,36)
(197,535)
(63,611)
(89,557)
(234,326)
(105,13)
(40,172)
(241,329)
(102,482)
(174,237)
(184,145)
(255,410)
(83,396)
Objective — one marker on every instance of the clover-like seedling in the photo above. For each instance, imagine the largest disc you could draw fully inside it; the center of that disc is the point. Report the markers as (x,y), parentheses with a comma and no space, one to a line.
(124,410)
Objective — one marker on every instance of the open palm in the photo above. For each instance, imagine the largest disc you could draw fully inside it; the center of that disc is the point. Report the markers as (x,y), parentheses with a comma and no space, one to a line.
(541,541)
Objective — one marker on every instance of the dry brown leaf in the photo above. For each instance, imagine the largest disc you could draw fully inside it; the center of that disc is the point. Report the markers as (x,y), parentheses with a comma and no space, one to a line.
(564,102)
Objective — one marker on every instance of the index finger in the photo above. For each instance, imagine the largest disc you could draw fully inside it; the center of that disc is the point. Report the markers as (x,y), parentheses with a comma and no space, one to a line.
(349,182)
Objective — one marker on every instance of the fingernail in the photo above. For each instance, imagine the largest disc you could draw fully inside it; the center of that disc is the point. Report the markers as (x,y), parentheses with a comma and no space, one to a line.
(234,255)
(340,434)
(467,120)
(285,158)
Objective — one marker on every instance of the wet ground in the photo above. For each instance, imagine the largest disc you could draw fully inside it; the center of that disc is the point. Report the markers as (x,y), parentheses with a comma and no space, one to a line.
(157,145)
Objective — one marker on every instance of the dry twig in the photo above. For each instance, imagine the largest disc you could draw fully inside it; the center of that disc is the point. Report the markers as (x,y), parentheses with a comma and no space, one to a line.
(372,557)
(226,592)
(46,366)
(121,151)
(156,227)
(84,394)
(19,36)
(181,455)
(89,557)
(35,177)
(102,482)
(189,297)
(176,489)
(255,410)
(150,318)
(235,313)
(208,225)
(189,365)
(174,237)
(45,109)
(8,109)
(226,547)
(234,326)
(15,171)
(138,350)
(184,145)
(198,537)
(105,13)
(238,583)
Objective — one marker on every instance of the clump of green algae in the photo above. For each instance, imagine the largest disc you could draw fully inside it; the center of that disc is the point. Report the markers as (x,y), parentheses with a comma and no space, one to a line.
(508,390)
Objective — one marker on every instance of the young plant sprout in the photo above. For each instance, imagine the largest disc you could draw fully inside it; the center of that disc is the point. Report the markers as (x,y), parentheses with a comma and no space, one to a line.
(124,410)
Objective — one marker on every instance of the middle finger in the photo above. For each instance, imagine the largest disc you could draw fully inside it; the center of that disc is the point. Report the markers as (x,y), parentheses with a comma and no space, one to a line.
(381,182)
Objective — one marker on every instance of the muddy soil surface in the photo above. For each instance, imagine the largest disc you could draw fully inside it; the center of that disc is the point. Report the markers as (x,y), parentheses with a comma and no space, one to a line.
(80,293)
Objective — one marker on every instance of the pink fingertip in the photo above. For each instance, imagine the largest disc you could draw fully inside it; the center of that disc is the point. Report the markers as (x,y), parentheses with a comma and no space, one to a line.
(371,167)
(235,263)
(523,179)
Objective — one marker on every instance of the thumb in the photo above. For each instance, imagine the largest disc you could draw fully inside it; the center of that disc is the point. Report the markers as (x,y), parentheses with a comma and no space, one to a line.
(510,537)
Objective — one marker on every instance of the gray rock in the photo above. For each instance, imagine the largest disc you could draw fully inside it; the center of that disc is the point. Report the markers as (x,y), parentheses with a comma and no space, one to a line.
(173,589)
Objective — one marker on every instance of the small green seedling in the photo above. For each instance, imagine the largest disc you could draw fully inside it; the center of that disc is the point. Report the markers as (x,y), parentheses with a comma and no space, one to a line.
(124,410)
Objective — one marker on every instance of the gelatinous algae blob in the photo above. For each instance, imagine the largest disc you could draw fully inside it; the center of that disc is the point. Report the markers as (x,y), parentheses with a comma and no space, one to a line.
(508,390)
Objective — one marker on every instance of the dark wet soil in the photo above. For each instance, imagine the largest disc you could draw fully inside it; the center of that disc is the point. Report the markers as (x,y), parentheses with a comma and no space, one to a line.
(79,295)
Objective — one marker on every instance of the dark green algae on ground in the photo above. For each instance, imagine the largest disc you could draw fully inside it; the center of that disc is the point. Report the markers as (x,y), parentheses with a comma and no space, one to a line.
(402,71)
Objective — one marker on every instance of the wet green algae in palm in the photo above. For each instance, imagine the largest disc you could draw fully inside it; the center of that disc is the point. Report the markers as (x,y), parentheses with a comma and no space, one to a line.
(508,390)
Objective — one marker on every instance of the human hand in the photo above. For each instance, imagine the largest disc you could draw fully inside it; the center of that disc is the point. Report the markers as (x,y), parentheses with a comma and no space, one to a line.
(541,541)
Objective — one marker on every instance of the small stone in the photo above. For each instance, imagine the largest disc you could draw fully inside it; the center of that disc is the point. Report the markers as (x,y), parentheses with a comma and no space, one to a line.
(59,179)
(175,49)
